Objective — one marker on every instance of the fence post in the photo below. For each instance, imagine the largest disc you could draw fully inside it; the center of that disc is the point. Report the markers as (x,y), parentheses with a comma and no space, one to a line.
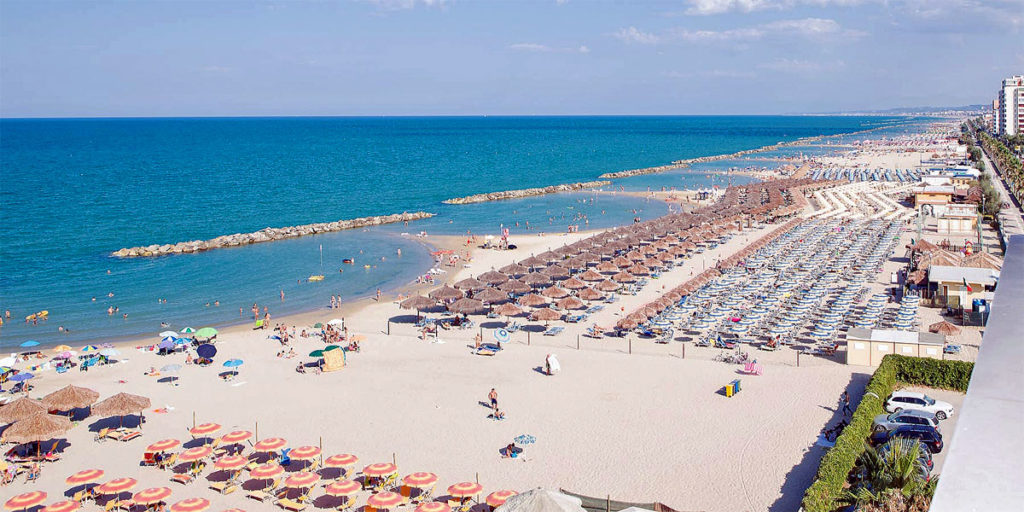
(527,338)
(630,344)
(577,342)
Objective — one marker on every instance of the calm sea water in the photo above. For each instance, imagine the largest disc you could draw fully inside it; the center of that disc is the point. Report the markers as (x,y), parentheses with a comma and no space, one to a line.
(73,190)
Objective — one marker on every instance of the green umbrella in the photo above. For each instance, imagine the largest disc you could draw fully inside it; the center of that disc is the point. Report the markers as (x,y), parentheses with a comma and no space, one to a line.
(188,330)
(316,353)
(318,325)
(206,332)
(328,348)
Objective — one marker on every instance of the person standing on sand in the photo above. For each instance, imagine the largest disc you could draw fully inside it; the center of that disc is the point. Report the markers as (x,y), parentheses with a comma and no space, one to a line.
(378,294)
(493,396)
(845,400)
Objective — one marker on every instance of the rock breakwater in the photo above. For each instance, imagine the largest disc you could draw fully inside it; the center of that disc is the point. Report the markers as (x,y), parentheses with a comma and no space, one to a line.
(526,192)
(265,235)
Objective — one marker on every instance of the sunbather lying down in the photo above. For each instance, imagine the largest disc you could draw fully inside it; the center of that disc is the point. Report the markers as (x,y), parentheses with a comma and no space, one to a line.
(498,414)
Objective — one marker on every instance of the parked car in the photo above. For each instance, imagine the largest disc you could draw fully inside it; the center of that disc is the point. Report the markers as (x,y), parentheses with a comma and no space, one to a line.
(904,417)
(928,436)
(901,400)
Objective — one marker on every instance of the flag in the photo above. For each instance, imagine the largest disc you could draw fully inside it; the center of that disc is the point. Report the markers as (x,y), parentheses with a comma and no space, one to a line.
(969,289)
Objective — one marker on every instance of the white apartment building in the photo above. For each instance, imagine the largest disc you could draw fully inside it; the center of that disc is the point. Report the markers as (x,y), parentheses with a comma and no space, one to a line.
(1009,114)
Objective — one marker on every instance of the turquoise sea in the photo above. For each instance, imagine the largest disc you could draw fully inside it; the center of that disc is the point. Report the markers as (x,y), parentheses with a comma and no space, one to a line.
(73,190)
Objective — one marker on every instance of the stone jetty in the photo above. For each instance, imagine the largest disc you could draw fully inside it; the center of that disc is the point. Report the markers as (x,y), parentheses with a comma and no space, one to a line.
(526,192)
(265,235)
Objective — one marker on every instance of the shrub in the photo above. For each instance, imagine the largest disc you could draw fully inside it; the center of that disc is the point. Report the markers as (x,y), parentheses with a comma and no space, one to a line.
(827,491)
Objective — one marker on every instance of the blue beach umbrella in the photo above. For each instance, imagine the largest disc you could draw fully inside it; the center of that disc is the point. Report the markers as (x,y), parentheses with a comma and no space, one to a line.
(90,348)
(501,335)
(168,339)
(22,376)
(206,351)
(30,343)
(525,439)
(166,343)
(232,363)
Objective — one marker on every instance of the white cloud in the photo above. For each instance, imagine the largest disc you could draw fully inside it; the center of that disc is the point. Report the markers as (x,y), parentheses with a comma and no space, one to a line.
(396,5)
(633,35)
(811,28)
(543,48)
(707,7)
(801,66)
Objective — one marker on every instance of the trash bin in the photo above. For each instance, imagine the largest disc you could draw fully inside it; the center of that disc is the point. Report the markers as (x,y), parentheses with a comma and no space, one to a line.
(736,384)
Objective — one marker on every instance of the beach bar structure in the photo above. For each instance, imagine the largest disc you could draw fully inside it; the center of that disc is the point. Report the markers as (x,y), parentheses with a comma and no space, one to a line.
(949,284)
(867,347)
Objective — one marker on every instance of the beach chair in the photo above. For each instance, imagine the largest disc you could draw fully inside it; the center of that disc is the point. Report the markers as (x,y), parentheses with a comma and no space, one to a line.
(148,459)
(288,504)
(110,505)
(554,331)
(593,333)
(129,435)
(169,461)
(225,487)
(752,368)
(101,435)
(514,327)
(265,493)
(182,478)
(459,504)
(611,299)
(126,505)
(116,435)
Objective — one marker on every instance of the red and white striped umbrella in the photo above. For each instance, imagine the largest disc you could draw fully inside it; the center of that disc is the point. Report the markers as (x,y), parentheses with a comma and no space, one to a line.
(433,506)
(63,506)
(191,505)
(302,479)
(116,485)
(465,489)
(380,469)
(25,500)
(342,488)
(420,480)
(343,460)
(270,444)
(194,454)
(236,436)
(204,429)
(230,462)
(151,495)
(163,446)
(85,476)
(385,499)
(304,452)
(497,498)
(265,471)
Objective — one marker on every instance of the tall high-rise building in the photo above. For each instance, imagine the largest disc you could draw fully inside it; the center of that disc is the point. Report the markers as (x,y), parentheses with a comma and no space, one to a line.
(1009,115)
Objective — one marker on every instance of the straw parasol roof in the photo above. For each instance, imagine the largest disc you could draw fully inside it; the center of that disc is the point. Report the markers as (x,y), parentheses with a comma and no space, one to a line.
(470,284)
(608,286)
(532,299)
(515,286)
(121,404)
(917,277)
(545,314)
(626,323)
(624,277)
(923,246)
(574,284)
(508,309)
(556,271)
(532,262)
(590,294)
(536,278)
(576,263)
(619,261)
(491,295)
(638,270)
(446,293)
(20,409)
(514,269)
(607,266)
(591,275)
(549,256)
(983,260)
(493,278)
(38,427)
(570,303)
(418,302)
(466,306)
(70,397)
(554,292)
(944,327)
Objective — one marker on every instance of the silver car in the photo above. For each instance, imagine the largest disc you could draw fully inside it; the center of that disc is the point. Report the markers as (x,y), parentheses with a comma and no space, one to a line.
(886,422)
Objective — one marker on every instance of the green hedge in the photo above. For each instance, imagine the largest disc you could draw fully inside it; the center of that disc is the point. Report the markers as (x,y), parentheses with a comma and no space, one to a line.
(827,490)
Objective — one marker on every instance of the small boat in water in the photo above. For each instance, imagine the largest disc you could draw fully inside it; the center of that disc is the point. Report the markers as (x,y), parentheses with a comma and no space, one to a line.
(348,261)
(316,278)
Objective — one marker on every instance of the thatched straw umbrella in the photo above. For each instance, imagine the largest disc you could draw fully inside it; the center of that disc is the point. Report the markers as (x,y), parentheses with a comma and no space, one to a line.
(590,294)
(508,309)
(608,286)
(70,397)
(626,323)
(515,286)
(591,275)
(493,278)
(491,295)
(532,300)
(470,284)
(533,262)
(36,429)
(607,266)
(570,303)
(556,271)
(653,263)
(623,277)
(466,307)
(536,279)
(446,293)
(638,270)
(545,315)
(620,262)
(549,256)
(576,263)
(514,269)
(554,292)
(21,408)
(944,327)
(574,284)
(121,405)
(418,303)
(634,256)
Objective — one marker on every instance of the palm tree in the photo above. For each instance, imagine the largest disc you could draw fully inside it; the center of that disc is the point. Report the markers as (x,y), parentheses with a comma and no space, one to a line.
(882,474)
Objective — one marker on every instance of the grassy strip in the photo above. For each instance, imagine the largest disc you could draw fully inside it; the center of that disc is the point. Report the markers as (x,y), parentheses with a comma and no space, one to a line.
(826,492)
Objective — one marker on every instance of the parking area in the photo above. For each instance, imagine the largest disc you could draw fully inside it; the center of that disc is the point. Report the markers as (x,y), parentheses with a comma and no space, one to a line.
(947,426)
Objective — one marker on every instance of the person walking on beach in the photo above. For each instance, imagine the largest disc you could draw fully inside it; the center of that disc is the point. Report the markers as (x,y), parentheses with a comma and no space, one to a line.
(493,396)
(378,294)
(845,399)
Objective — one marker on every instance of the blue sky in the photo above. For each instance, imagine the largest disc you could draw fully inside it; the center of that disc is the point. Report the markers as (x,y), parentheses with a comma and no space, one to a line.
(528,57)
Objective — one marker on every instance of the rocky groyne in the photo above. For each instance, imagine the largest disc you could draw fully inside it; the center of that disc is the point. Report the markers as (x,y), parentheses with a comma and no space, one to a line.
(265,235)
(526,192)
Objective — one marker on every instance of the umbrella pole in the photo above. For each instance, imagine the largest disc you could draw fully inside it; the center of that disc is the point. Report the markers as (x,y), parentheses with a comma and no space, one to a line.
(193,419)
(257,435)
